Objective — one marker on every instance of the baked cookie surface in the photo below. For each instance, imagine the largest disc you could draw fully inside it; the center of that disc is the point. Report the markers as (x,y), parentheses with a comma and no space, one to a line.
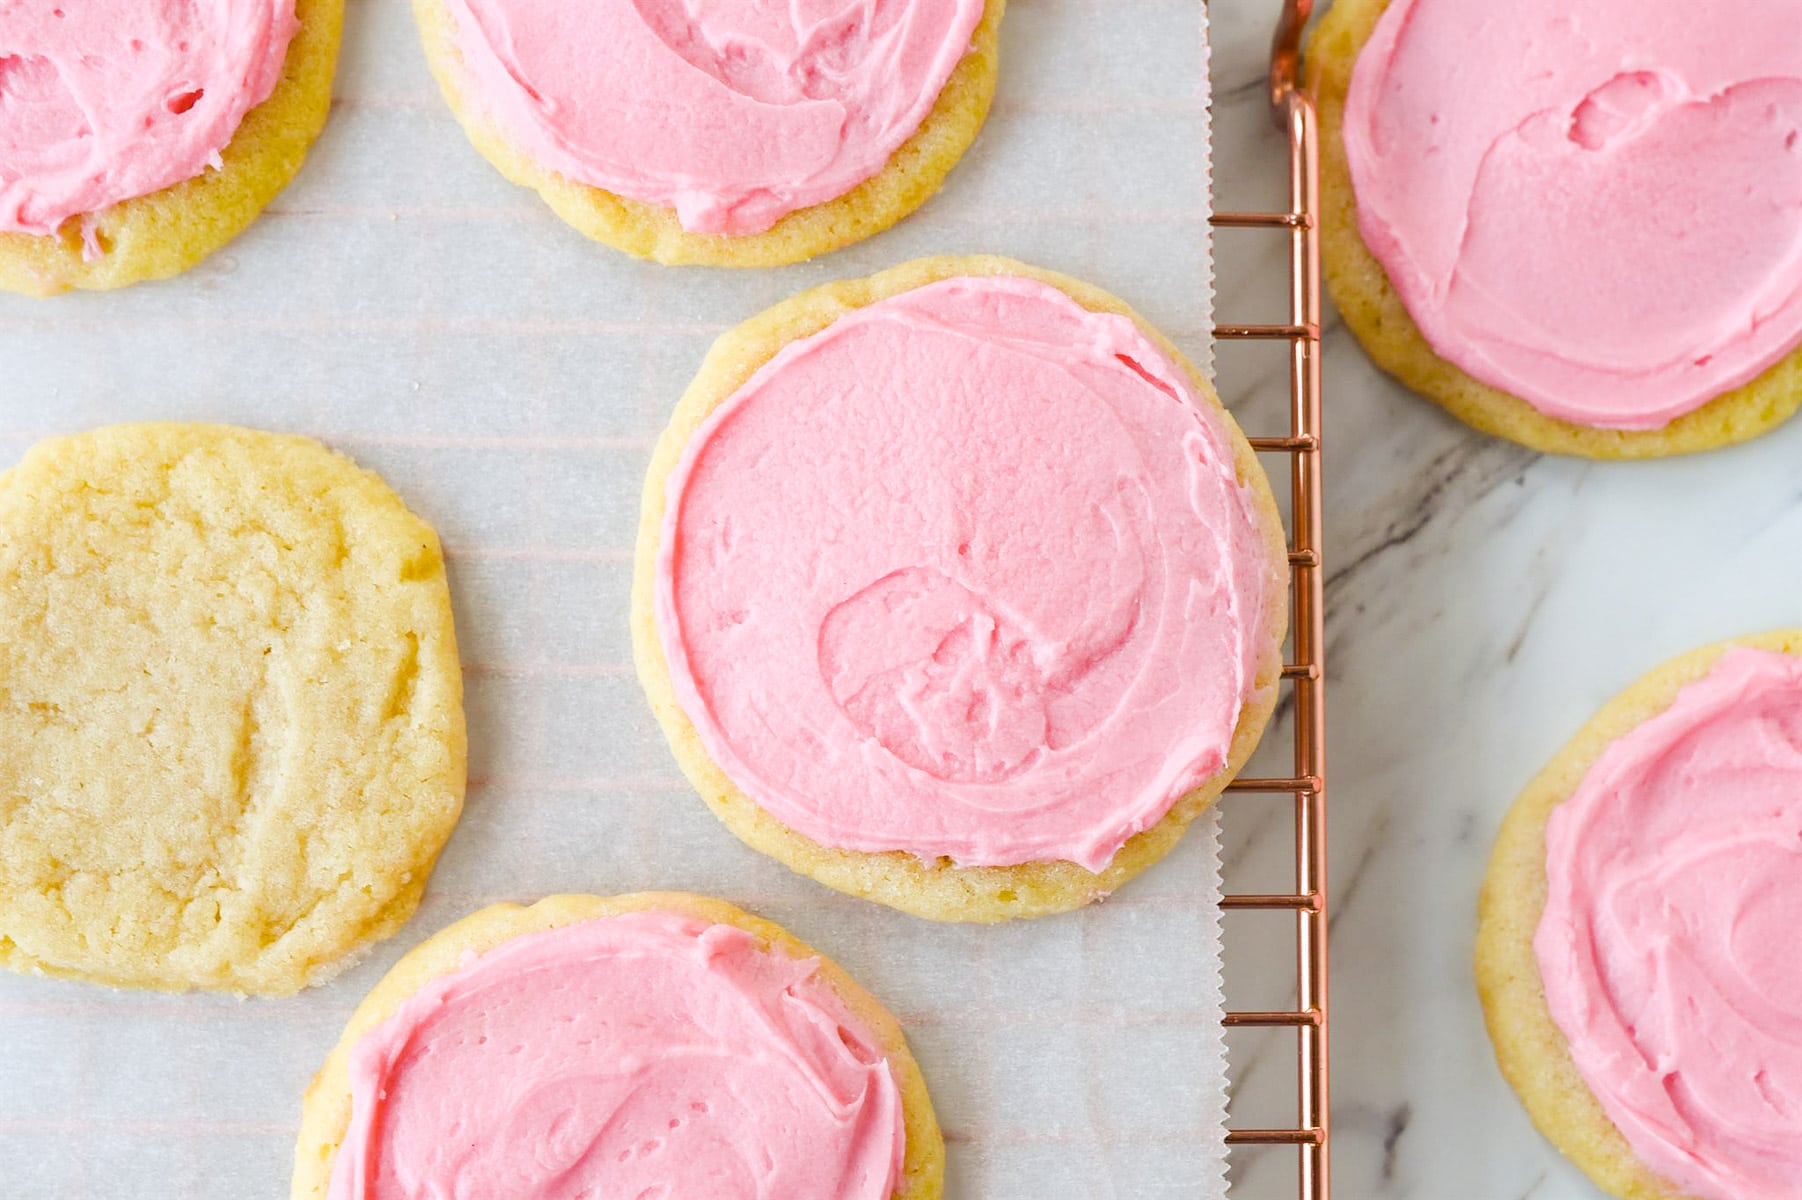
(1530,1046)
(329,1113)
(912,174)
(1373,309)
(1005,712)
(166,231)
(231,725)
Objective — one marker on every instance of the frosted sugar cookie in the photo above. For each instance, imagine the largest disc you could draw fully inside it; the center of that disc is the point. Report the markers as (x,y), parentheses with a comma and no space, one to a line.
(231,722)
(739,133)
(1573,225)
(139,136)
(957,589)
(1637,953)
(659,1044)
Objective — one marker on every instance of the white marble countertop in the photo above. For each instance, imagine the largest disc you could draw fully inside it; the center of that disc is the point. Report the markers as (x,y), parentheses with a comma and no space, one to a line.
(1482,601)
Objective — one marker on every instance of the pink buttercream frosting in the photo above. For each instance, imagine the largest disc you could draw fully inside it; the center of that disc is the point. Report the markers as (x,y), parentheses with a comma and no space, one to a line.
(649,1055)
(107,100)
(1669,948)
(734,113)
(968,573)
(1596,207)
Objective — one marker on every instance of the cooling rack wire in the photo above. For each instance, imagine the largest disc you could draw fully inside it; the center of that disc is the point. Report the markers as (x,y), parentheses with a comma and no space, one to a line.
(1300,449)
(1311,1134)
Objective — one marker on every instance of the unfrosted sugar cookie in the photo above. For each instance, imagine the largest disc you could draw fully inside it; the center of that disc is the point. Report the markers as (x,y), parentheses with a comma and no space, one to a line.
(139,136)
(1637,956)
(731,133)
(1573,225)
(231,722)
(957,589)
(659,1044)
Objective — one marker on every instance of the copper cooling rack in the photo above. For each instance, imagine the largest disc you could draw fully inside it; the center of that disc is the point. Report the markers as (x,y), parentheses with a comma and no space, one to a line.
(1311,1134)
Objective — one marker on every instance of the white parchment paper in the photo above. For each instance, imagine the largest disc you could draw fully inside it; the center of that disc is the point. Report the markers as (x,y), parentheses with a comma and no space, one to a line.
(408,306)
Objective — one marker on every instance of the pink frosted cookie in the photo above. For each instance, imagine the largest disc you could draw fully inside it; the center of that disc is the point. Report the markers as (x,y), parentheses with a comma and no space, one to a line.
(1575,224)
(656,1045)
(1637,956)
(138,136)
(736,132)
(957,589)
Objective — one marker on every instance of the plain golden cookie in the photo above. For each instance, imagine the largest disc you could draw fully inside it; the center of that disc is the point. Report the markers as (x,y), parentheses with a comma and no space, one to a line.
(166,232)
(1529,1046)
(1375,313)
(913,175)
(325,1113)
(231,720)
(933,889)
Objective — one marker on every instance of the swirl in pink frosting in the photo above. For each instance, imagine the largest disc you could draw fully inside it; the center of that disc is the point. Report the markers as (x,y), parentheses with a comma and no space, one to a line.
(1596,207)
(648,1056)
(106,101)
(1668,948)
(734,113)
(968,573)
